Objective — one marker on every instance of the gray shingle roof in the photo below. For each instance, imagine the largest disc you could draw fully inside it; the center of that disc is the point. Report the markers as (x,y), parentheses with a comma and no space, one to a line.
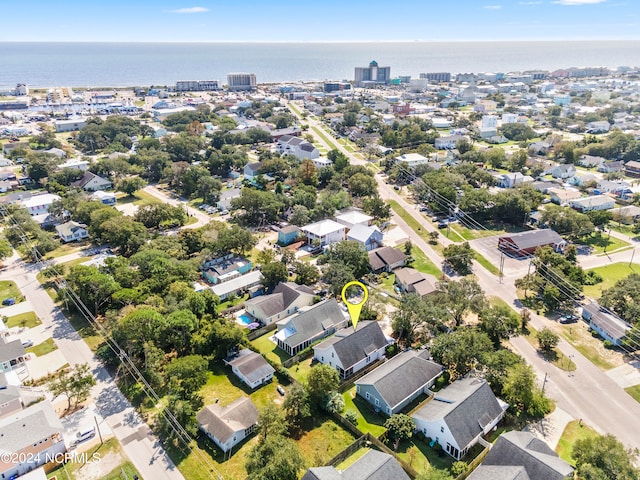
(222,422)
(10,351)
(28,426)
(495,472)
(283,295)
(398,378)
(467,406)
(252,365)
(523,449)
(353,346)
(309,323)
(373,465)
(533,238)
(388,255)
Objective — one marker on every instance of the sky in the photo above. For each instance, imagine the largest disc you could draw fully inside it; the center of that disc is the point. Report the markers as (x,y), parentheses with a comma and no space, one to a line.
(321,21)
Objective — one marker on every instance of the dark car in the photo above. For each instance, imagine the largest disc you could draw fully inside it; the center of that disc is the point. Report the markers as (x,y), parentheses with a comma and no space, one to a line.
(443,223)
(9,301)
(568,319)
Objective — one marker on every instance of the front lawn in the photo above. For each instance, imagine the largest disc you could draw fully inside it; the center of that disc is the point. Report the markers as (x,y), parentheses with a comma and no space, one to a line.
(43,348)
(634,392)
(423,264)
(555,356)
(573,431)
(9,289)
(592,348)
(24,320)
(600,242)
(368,420)
(610,275)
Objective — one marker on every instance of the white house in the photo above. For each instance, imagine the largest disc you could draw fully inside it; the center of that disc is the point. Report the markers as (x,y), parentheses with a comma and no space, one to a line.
(596,202)
(509,118)
(72,231)
(75,164)
(349,350)
(228,426)
(69,125)
(609,326)
(412,159)
(237,285)
(38,204)
(459,414)
(561,196)
(369,237)
(296,146)
(489,122)
(511,180)
(564,170)
(250,367)
(90,182)
(327,231)
(354,217)
(108,198)
(448,142)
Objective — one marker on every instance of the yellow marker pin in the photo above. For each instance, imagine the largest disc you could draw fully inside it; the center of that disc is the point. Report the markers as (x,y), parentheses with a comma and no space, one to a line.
(354,308)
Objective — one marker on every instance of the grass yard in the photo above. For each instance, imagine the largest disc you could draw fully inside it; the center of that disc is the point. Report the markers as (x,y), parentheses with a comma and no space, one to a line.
(324,136)
(9,289)
(419,455)
(24,320)
(368,420)
(600,242)
(269,349)
(322,440)
(610,275)
(634,392)
(572,432)
(139,198)
(423,264)
(490,267)
(43,348)
(555,356)
(592,348)
(68,248)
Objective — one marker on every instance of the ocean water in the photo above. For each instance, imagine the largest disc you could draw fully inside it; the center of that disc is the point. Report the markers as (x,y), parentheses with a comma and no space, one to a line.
(130,64)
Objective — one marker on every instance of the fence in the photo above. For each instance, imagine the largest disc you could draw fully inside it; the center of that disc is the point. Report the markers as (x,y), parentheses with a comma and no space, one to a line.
(473,464)
(303,355)
(252,335)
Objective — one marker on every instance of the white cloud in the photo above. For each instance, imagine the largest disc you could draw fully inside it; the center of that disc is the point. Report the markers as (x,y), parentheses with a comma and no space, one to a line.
(492,7)
(579,2)
(190,10)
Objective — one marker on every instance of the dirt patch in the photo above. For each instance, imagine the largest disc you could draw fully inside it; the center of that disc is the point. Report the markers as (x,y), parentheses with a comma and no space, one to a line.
(94,470)
(580,337)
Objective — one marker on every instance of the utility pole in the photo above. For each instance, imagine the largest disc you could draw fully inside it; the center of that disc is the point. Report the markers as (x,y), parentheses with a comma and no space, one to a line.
(633,252)
(544,382)
(95,419)
(501,274)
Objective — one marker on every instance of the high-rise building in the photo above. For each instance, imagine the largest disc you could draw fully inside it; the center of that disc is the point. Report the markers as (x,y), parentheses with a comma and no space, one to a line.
(372,75)
(437,77)
(241,81)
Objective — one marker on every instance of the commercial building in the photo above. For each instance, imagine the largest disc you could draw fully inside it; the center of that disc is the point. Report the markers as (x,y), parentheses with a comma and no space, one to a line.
(437,77)
(372,75)
(241,81)
(197,86)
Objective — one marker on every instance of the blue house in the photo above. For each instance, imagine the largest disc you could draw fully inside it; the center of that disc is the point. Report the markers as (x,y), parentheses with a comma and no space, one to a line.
(288,235)
(222,269)
(108,198)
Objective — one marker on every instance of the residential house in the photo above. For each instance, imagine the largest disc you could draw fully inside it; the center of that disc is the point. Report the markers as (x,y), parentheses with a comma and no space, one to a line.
(632,168)
(561,196)
(12,355)
(512,180)
(90,182)
(296,146)
(10,397)
(72,231)
(75,164)
(250,367)
(251,170)
(238,285)
(602,126)
(326,231)
(413,281)
(287,235)
(69,125)
(564,170)
(609,326)
(595,202)
(354,217)
(297,332)
(221,269)
(322,162)
(459,414)
(108,198)
(279,133)
(590,161)
(526,243)
(369,237)
(544,187)
(349,350)
(38,204)
(30,437)
(224,203)
(386,259)
(399,381)
(412,159)
(627,215)
(448,142)
(618,188)
(522,456)
(610,167)
(582,179)
(287,298)
(373,465)
(228,426)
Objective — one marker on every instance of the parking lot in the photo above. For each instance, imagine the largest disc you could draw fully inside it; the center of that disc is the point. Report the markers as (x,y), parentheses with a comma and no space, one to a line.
(488,248)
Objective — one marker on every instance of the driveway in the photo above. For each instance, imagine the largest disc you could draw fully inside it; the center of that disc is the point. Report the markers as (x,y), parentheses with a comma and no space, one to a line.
(488,248)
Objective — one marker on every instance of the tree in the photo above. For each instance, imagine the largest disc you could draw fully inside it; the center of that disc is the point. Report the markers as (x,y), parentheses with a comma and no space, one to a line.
(377,208)
(362,185)
(5,249)
(495,366)
(130,185)
(624,298)
(94,287)
(296,406)
(274,458)
(306,273)
(547,339)
(308,173)
(124,233)
(415,318)
(499,322)
(300,215)
(273,273)
(38,169)
(321,379)
(186,375)
(460,297)
(522,394)
(604,457)
(333,402)
(461,350)
(351,254)
(74,383)
(459,257)
(399,427)
(271,422)
(517,131)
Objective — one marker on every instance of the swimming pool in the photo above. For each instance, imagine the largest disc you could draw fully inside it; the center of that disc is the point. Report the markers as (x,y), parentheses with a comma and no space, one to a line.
(245,319)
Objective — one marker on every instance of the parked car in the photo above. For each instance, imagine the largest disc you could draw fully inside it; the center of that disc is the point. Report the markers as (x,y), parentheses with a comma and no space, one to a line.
(83,435)
(27,343)
(443,223)
(9,301)
(280,390)
(568,319)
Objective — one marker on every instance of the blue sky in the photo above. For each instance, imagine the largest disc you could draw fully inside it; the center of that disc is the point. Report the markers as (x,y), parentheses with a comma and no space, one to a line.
(327,20)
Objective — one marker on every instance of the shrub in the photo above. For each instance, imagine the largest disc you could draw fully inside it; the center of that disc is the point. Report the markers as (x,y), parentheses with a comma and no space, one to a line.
(351,416)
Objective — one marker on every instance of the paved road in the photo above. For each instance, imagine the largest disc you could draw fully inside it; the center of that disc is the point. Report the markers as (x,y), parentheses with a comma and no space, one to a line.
(588,393)
(142,448)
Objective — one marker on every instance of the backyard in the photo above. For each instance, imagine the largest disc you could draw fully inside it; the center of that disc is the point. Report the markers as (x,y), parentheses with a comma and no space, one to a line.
(610,275)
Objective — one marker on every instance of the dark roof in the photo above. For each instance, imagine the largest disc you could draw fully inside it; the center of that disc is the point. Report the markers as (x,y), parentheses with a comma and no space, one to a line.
(307,147)
(523,449)
(498,472)
(398,378)
(291,140)
(86,178)
(252,365)
(532,239)
(467,406)
(253,166)
(352,346)
(373,465)
(223,422)
(386,255)
(283,295)
(309,323)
